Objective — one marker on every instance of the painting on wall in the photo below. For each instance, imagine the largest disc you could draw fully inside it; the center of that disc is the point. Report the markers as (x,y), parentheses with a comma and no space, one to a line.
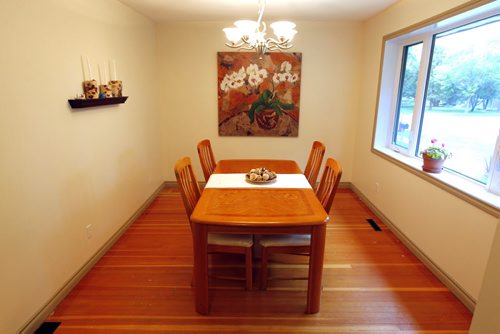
(259,97)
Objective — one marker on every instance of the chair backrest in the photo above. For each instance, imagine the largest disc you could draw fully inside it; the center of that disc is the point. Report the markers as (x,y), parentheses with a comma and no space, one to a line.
(314,162)
(207,159)
(329,183)
(188,186)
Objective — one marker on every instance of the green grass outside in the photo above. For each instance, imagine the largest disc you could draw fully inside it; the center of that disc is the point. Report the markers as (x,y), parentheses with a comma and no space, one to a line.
(453,110)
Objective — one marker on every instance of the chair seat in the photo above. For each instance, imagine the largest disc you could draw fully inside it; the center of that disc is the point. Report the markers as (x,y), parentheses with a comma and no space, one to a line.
(241,240)
(285,240)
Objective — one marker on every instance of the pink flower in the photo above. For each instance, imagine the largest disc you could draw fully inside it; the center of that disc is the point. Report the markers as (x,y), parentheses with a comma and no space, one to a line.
(442,145)
(434,140)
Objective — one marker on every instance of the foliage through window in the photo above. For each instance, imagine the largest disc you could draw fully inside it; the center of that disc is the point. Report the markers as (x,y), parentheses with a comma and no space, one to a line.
(462,104)
(446,85)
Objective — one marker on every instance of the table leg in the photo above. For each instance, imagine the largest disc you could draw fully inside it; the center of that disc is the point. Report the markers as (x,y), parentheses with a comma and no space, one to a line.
(316,268)
(200,238)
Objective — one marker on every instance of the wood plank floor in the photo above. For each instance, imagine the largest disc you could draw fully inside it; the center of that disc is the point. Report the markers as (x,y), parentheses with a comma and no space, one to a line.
(372,284)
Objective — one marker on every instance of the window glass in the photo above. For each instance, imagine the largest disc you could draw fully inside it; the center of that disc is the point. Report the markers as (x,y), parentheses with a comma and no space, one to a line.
(462,100)
(406,95)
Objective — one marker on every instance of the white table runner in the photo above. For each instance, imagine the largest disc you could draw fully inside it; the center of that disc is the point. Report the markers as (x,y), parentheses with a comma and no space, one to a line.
(237,180)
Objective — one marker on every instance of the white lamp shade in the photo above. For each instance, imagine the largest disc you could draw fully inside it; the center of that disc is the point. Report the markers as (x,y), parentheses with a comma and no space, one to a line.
(283,25)
(284,29)
(290,35)
(233,34)
(247,27)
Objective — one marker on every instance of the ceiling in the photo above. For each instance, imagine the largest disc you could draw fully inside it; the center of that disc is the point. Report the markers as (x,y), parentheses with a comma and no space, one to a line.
(230,10)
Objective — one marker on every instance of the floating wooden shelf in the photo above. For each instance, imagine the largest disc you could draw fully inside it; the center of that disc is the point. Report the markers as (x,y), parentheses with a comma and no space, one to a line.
(96,102)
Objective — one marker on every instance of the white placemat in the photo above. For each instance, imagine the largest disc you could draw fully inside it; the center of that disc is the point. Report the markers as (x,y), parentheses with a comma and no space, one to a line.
(237,180)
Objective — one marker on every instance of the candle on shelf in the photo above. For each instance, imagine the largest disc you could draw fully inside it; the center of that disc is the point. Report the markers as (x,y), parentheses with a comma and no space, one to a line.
(110,68)
(116,85)
(90,69)
(100,75)
(105,76)
(83,69)
(90,88)
(104,88)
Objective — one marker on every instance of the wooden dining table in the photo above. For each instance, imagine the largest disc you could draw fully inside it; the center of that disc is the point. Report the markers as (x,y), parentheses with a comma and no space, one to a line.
(258,210)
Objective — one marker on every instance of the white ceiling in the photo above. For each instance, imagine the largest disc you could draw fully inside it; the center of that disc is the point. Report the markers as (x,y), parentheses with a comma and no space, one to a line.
(230,10)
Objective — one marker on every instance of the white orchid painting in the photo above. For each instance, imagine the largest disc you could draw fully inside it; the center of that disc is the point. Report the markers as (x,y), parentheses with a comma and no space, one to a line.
(259,97)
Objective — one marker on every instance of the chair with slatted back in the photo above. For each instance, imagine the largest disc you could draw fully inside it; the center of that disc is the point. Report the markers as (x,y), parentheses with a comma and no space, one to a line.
(299,244)
(314,162)
(217,242)
(207,159)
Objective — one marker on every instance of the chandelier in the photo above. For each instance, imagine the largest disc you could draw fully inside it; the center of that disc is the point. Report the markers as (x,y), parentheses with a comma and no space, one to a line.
(249,35)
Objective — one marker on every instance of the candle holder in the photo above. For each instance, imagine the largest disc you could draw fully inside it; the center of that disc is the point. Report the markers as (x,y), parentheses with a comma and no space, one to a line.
(116,87)
(105,91)
(90,89)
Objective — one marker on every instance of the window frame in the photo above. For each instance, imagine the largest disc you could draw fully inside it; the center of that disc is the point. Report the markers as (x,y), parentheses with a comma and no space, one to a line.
(390,77)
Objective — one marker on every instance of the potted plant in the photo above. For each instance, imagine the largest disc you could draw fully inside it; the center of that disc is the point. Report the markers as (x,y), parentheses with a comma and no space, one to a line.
(434,157)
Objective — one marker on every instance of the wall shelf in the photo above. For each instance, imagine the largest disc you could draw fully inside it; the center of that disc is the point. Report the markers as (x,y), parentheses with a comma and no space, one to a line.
(97,102)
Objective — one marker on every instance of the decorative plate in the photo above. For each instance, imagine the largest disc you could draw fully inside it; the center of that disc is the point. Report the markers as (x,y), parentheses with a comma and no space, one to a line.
(260,176)
(247,178)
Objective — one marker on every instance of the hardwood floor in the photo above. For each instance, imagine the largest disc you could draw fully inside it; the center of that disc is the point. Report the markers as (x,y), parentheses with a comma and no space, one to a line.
(372,284)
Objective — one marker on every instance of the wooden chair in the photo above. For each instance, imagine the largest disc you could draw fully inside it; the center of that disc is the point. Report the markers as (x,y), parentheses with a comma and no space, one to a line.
(314,162)
(217,242)
(299,244)
(207,159)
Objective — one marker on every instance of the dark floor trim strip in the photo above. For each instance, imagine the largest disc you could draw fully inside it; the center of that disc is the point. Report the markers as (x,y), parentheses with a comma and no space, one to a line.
(374,225)
(47,328)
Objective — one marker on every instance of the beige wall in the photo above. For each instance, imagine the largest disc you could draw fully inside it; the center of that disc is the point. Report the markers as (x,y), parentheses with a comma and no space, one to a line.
(329,94)
(451,232)
(62,169)
(486,319)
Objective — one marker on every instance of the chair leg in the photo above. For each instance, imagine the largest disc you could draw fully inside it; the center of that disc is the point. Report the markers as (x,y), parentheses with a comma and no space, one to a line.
(248,268)
(263,268)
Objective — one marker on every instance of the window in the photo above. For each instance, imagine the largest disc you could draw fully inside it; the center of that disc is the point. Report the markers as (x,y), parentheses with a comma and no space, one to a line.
(443,81)
(461,103)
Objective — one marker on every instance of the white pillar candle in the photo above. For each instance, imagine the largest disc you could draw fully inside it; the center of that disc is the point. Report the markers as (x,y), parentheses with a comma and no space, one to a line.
(83,69)
(105,76)
(90,69)
(100,74)
(114,69)
(110,68)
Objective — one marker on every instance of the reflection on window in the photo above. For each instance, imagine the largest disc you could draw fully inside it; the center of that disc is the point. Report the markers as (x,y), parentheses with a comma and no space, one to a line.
(406,96)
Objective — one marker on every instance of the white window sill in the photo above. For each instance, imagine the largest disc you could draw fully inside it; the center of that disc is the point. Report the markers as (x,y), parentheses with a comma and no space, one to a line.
(473,192)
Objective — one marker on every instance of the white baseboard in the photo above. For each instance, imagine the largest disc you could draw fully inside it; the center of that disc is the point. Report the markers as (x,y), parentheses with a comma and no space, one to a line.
(449,282)
(32,325)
